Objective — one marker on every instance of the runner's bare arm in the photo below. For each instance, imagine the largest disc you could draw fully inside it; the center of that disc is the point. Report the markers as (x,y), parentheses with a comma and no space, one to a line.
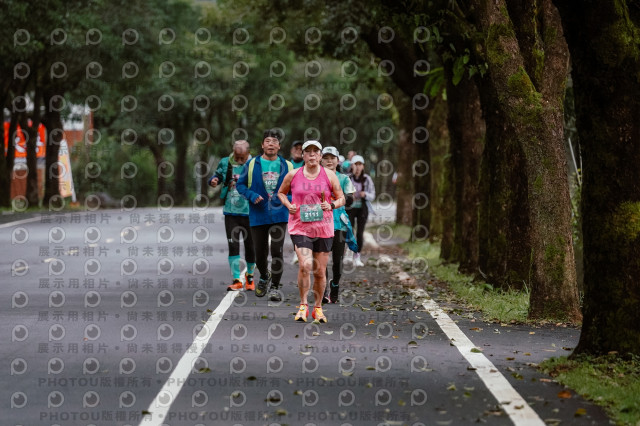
(284,190)
(337,190)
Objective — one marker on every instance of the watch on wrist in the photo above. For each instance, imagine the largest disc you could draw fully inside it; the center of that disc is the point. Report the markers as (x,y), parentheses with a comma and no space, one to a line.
(333,206)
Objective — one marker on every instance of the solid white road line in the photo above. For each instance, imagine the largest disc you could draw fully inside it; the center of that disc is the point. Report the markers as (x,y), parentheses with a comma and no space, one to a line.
(20,222)
(161,404)
(510,400)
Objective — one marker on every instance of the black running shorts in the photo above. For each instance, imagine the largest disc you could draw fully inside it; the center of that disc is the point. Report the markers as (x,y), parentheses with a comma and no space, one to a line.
(316,245)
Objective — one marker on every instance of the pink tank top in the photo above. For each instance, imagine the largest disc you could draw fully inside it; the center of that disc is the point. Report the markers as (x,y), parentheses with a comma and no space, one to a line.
(310,219)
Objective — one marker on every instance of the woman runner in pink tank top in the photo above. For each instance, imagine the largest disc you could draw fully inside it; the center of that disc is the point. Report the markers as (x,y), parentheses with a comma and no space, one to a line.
(311,223)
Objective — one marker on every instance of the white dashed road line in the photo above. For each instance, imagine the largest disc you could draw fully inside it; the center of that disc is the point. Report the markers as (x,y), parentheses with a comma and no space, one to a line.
(510,400)
(161,404)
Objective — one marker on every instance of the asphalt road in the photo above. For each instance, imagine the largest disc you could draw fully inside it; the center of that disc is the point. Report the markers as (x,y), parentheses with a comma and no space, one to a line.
(122,318)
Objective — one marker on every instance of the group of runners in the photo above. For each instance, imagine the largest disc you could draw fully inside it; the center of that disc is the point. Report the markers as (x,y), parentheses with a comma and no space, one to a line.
(267,196)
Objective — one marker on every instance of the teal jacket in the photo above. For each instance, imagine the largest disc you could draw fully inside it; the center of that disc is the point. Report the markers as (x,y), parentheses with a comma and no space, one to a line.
(234,203)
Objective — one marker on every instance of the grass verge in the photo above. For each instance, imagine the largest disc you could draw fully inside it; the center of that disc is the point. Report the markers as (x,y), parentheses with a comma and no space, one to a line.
(609,381)
(495,304)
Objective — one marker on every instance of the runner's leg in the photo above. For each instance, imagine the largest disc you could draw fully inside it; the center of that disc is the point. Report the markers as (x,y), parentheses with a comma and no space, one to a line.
(277,231)
(249,248)
(337,254)
(260,236)
(319,266)
(305,262)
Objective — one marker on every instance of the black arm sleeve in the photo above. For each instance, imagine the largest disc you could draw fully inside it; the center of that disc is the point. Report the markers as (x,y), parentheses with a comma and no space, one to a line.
(348,199)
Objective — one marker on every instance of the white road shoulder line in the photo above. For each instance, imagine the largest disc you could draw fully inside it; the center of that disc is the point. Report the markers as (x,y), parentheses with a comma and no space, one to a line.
(510,400)
(19,222)
(161,404)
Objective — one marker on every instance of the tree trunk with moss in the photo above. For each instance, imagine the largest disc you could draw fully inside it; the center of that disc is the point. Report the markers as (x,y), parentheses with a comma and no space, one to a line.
(504,247)
(404,53)
(422,180)
(528,65)
(182,145)
(406,155)
(467,131)
(604,41)
(55,136)
(30,131)
(439,148)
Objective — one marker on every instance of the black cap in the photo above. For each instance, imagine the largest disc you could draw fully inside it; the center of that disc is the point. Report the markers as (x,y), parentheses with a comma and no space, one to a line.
(296,143)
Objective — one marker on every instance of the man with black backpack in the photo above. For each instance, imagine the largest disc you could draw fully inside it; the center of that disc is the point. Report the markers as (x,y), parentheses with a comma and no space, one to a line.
(236,215)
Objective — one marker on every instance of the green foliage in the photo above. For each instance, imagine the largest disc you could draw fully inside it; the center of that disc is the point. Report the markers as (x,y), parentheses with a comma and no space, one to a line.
(116,163)
(459,67)
(178,79)
(610,381)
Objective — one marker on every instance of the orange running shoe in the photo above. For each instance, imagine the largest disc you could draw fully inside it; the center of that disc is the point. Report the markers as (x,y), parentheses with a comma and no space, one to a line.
(236,286)
(303,312)
(250,284)
(318,315)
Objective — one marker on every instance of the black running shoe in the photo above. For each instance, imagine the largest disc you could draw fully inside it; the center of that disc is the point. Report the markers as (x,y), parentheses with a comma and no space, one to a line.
(263,285)
(274,293)
(333,291)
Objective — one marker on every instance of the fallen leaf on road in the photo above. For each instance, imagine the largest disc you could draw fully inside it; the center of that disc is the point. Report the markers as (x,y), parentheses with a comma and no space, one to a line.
(564,394)
(580,412)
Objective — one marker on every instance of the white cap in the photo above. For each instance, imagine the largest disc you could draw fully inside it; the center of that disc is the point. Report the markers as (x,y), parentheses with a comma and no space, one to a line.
(307,144)
(330,150)
(357,159)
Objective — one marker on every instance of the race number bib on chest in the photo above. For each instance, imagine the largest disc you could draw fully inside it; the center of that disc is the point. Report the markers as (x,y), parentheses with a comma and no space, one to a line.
(270,180)
(311,213)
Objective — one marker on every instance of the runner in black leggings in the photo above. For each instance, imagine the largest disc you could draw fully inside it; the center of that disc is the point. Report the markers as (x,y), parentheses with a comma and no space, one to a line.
(259,183)
(261,234)
(236,216)
(330,157)
(359,210)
